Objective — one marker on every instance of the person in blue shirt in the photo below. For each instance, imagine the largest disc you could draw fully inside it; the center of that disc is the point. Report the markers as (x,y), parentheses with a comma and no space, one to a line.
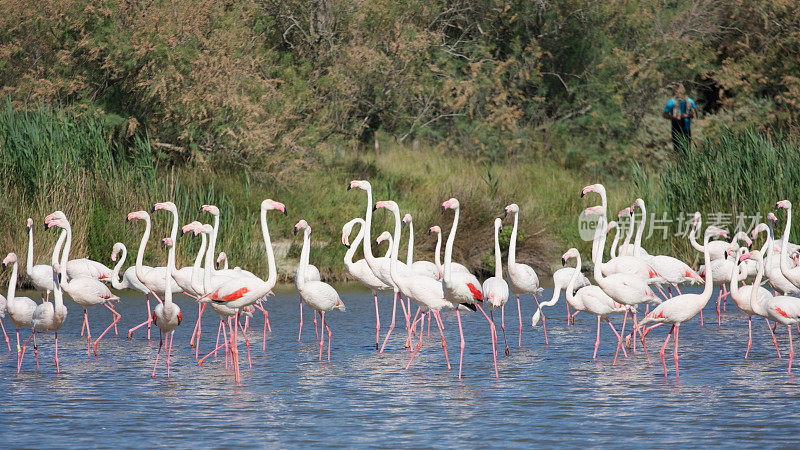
(680,110)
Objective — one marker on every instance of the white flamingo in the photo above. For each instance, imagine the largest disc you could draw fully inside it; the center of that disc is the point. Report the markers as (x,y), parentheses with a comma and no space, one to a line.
(743,296)
(496,288)
(319,296)
(82,267)
(19,309)
(128,281)
(167,316)
(425,268)
(41,275)
(772,263)
(51,316)
(561,279)
(437,257)
(521,277)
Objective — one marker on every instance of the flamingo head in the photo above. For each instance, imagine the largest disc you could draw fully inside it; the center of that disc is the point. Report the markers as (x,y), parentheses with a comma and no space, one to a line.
(498,224)
(758,229)
(206,229)
(388,204)
(56,222)
(302,225)
(57,268)
(435,229)
(29,224)
(772,217)
(717,232)
(55,215)
(785,204)
(385,236)
(169,206)
(348,228)
(191,227)
(450,204)
(213,210)
(137,215)
(697,218)
(599,188)
(624,212)
(638,203)
(744,256)
(594,210)
(360,184)
(270,204)
(167,243)
(512,208)
(611,225)
(118,247)
(571,253)
(406,219)
(222,257)
(11,258)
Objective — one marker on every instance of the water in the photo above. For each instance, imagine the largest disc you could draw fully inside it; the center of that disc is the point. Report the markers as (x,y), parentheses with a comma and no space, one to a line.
(555,395)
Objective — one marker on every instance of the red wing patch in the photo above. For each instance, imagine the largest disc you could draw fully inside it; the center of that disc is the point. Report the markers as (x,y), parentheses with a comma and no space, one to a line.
(651,273)
(237,294)
(180,318)
(688,274)
(476,293)
(660,315)
(103,276)
(780,311)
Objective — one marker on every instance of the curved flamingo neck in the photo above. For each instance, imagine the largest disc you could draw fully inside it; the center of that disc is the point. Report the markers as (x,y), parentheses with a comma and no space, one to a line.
(757,283)
(785,244)
(351,251)
(65,253)
(272,276)
(304,254)
(115,281)
(209,263)
(395,246)
(571,285)
(174,235)
(58,295)
(628,235)
(140,254)
(437,258)
(12,284)
(600,236)
(212,245)
(197,282)
(706,295)
(170,272)
(410,254)
(512,245)
(29,258)
(498,260)
(693,236)
(57,249)
(637,245)
(614,243)
(735,292)
(368,230)
(448,251)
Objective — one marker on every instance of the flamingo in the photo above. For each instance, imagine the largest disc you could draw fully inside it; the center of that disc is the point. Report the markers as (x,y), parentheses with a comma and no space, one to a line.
(496,288)
(591,299)
(791,274)
(425,268)
(82,267)
(20,309)
(625,288)
(3,309)
(319,296)
(463,288)
(743,297)
(423,290)
(87,291)
(152,277)
(242,291)
(521,277)
(41,275)
(360,269)
(379,266)
(51,316)
(128,280)
(682,308)
(167,316)
(717,249)
(772,263)
(561,279)
(456,267)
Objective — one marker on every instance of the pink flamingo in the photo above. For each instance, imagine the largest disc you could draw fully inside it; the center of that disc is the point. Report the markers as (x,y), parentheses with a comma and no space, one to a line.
(751,299)
(425,268)
(495,288)
(20,309)
(167,316)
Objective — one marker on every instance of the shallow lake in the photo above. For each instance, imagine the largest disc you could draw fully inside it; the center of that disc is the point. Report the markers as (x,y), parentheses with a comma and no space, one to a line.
(547,395)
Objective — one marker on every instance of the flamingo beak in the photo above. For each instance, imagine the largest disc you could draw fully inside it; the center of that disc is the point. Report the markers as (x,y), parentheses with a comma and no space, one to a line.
(295,231)
(563,262)
(285,212)
(505,213)
(403,225)
(349,187)
(443,208)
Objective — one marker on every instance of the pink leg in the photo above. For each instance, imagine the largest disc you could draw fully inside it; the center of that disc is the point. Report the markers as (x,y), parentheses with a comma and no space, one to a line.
(440,325)
(247,344)
(493,332)
(300,334)
(88,334)
(150,316)
(83,326)
(641,336)
(169,349)
(619,337)
(214,352)
(544,320)
(196,324)
(219,330)
(19,348)
(146,322)
(725,298)
(619,344)
(597,340)
(568,315)
(199,330)
(413,328)
(407,315)
(160,344)
(463,344)
(316,333)
(774,341)
(116,317)
(327,327)
(391,326)
(519,314)
(322,337)
(419,345)
(377,322)
(719,300)
(503,326)
(429,325)
(749,335)
(8,343)
(675,355)
(58,367)
(791,348)
(229,342)
(264,334)
(663,348)
(22,355)
(235,350)
(701,317)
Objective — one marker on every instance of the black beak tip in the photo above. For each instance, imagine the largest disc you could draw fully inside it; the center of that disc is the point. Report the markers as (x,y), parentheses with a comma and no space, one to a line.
(505,213)
(442,209)
(563,262)
(201,209)
(348,187)
(403,225)
(216,265)
(45,227)
(181,233)
(582,194)
(295,231)
(347,245)
(153,209)
(285,212)
(429,231)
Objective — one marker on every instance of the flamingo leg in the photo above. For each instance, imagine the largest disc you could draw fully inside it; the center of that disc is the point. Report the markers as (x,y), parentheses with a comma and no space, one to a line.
(503,326)
(493,335)
(597,340)
(407,315)
(35,350)
(8,343)
(202,360)
(219,330)
(200,331)
(247,344)
(88,333)
(463,344)
(619,344)
(544,320)
(413,328)
(228,347)
(619,336)
(196,324)
(22,355)
(322,337)
(377,322)
(315,327)
(300,334)
(568,315)
(663,348)
(328,327)
(440,325)
(160,344)
(677,372)
(235,349)
(749,335)
(116,317)
(774,341)
(519,314)
(391,326)
(719,299)
(58,368)
(419,344)
(169,348)
(147,322)
(429,325)
(791,348)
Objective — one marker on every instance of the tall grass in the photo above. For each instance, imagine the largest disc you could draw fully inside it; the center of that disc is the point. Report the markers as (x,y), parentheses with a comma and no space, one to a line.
(735,173)
(92,169)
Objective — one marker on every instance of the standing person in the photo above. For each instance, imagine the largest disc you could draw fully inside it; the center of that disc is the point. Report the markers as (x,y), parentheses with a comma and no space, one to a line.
(680,110)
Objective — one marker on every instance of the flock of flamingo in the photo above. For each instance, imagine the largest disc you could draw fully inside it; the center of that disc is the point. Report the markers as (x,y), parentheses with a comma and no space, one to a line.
(623,283)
